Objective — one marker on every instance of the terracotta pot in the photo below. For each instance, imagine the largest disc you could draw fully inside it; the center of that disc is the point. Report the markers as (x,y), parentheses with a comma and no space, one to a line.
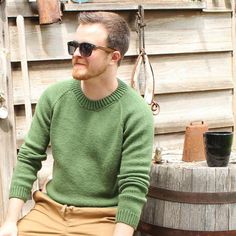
(217,148)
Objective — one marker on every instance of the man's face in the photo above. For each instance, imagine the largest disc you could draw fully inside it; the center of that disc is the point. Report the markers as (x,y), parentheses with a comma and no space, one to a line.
(96,65)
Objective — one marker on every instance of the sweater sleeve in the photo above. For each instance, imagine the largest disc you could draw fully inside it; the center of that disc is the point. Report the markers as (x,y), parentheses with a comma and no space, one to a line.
(32,151)
(133,179)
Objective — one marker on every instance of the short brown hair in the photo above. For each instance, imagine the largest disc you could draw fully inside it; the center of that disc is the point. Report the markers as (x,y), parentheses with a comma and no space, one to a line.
(117,28)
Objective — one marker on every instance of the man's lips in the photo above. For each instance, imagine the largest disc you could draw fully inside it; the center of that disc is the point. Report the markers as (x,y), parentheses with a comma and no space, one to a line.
(78,64)
(77,61)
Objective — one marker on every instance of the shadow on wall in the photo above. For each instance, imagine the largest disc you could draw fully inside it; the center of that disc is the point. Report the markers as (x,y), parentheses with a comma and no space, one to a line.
(5,125)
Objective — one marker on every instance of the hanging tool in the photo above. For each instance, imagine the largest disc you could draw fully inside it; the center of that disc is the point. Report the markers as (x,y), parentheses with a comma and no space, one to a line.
(49,11)
(24,69)
(142,78)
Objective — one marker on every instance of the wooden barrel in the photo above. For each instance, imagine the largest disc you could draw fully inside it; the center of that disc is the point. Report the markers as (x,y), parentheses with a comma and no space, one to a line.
(190,199)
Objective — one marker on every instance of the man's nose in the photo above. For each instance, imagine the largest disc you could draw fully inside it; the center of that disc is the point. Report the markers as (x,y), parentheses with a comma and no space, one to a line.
(77,52)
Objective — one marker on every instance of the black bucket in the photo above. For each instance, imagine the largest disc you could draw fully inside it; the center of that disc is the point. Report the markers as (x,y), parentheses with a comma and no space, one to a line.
(218,148)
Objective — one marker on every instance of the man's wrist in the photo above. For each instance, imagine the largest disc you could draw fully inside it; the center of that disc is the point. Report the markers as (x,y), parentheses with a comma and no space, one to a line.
(122,229)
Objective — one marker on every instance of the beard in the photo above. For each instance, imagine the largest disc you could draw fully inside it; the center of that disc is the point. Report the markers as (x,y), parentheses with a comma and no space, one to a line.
(85,73)
(80,74)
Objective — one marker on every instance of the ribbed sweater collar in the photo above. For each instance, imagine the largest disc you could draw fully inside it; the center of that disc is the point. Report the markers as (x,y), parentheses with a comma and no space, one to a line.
(97,104)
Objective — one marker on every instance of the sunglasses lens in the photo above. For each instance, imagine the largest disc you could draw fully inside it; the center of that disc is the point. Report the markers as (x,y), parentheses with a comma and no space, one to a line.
(86,49)
(72,47)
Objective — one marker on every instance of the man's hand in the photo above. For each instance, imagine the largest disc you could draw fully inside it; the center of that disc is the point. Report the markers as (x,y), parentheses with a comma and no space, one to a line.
(8,229)
(122,229)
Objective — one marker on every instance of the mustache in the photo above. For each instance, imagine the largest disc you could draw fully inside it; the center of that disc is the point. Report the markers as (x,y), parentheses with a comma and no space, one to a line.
(78,61)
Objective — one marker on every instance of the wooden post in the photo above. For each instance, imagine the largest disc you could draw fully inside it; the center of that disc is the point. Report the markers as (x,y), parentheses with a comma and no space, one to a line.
(1,200)
(24,69)
(7,126)
(233,67)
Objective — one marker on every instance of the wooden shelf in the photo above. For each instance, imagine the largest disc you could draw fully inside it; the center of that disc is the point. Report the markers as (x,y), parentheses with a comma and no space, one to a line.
(29,8)
(132,6)
(217,10)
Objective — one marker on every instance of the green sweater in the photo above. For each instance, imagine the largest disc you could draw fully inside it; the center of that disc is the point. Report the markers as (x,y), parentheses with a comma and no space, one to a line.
(101,149)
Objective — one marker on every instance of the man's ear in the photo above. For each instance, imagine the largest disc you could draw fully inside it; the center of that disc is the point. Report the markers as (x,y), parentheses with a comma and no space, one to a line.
(116,56)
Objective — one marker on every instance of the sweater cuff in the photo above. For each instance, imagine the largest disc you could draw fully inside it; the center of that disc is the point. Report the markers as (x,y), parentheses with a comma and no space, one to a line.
(128,217)
(19,192)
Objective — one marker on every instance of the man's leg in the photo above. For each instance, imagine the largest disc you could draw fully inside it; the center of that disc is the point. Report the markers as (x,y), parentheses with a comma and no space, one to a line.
(44,219)
(51,218)
(91,221)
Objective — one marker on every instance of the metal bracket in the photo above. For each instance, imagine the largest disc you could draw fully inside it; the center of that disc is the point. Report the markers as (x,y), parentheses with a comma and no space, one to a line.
(3,109)
(2,99)
(140,28)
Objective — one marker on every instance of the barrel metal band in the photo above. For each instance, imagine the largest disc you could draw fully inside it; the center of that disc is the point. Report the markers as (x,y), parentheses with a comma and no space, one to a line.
(192,197)
(164,231)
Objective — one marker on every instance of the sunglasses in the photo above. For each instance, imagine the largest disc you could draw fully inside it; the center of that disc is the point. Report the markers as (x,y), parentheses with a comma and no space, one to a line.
(85,49)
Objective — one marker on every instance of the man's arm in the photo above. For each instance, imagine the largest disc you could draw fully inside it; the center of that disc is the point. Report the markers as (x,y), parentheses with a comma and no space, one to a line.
(9,227)
(122,229)
(136,157)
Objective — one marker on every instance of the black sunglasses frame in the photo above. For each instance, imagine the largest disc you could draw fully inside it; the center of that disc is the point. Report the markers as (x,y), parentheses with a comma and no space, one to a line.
(85,49)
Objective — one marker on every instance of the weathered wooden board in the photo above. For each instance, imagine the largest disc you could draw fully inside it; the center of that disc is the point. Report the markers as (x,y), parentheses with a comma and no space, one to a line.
(219,5)
(166,33)
(1,200)
(42,74)
(147,5)
(232,212)
(171,213)
(192,72)
(222,184)
(197,212)
(185,186)
(210,210)
(7,126)
(177,111)
(234,65)
(151,205)
(16,7)
(177,73)
(173,141)
(158,179)
(21,7)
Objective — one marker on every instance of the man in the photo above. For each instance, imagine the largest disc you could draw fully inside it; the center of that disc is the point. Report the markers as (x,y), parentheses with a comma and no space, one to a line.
(101,134)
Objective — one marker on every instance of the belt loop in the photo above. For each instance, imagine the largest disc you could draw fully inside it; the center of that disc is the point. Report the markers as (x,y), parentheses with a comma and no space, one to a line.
(63,209)
(71,207)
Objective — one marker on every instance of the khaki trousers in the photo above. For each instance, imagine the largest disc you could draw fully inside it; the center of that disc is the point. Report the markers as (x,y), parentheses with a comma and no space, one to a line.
(51,218)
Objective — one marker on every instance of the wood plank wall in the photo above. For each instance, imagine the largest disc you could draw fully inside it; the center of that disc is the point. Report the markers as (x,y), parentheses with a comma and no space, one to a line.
(190,45)
(7,126)
(190,49)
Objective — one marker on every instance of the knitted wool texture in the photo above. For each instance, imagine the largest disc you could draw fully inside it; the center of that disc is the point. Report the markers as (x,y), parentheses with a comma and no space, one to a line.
(101,149)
